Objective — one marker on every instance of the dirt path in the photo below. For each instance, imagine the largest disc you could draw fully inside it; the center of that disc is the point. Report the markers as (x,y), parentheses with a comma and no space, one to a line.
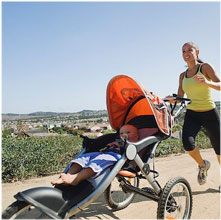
(206,198)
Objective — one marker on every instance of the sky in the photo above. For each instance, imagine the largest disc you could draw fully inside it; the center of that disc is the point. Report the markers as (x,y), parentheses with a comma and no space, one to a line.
(60,56)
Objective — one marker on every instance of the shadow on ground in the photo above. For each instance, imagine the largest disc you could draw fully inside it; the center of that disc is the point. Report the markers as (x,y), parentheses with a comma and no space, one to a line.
(210,190)
(100,209)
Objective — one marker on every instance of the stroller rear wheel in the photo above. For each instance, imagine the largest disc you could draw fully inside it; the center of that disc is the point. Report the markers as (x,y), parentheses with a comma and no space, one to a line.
(175,200)
(116,195)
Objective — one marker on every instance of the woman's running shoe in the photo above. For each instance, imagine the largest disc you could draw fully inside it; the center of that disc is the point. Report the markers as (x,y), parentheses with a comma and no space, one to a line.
(202,175)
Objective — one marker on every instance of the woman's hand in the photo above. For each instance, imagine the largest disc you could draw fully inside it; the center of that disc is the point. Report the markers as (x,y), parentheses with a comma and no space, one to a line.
(200,79)
(170,98)
(209,72)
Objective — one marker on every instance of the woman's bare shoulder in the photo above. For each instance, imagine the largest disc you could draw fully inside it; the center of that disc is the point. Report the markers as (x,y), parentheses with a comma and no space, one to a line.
(209,71)
(206,67)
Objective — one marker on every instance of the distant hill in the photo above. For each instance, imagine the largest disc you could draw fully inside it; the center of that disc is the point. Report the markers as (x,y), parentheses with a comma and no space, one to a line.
(92,112)
(41,114)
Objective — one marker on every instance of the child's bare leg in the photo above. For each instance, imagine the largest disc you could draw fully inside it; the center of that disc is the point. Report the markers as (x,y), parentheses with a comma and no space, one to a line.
(74,179)
(75,168)
(57,181)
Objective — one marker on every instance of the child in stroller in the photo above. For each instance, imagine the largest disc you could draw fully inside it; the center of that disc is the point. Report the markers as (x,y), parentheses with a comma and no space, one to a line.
(92,164)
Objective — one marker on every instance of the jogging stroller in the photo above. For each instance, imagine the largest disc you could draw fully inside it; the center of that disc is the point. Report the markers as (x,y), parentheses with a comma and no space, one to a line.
(127,103)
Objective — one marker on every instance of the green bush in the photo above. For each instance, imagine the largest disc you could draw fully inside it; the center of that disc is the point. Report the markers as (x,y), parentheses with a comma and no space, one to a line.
(202,140)
(169,146)
(6,133)
(177,128)
(108,131)
(59,130)
(36,156)
(172,145)
(23,158)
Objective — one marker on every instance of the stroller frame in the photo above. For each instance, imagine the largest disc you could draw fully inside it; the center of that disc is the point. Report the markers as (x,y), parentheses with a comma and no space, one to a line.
(117,167)
(57,204)
(102,182)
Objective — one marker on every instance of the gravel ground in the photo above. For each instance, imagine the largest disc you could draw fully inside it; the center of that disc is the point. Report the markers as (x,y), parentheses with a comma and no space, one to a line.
(206,198)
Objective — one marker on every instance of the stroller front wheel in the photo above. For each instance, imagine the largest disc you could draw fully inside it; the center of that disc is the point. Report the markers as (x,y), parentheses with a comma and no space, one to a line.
(116,195)
(22,210)
(175,200)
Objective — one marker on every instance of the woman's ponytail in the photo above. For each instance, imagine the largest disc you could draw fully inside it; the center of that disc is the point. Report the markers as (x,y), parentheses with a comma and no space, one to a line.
(199,60)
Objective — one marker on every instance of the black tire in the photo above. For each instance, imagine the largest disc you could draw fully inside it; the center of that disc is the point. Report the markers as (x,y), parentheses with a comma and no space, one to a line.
(117,197)
(170,205)
(22,210)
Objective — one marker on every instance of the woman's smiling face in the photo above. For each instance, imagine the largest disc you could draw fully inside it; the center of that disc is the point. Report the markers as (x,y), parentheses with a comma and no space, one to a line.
(189,52)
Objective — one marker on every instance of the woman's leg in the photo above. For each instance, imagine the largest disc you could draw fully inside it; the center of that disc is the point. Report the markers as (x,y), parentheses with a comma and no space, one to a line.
(191,127)
(195,154)
(212,125)
(203,165)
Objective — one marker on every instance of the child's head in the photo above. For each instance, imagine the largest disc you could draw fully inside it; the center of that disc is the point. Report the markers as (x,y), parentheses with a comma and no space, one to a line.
(129,132)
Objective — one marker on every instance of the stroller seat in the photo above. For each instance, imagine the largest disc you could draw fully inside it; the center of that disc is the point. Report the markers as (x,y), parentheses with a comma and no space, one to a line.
(130,171)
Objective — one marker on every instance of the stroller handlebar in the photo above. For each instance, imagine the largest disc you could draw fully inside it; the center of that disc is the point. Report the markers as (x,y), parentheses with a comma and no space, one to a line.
(173,100)
(176,98)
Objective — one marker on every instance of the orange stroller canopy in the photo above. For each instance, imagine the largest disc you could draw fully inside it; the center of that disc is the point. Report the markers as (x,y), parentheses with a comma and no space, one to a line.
(127,99)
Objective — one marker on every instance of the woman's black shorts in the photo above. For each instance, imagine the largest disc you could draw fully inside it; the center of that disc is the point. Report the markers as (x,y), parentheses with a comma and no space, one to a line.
(193,121)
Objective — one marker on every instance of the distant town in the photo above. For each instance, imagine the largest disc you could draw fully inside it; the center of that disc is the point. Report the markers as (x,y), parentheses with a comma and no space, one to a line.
(87,122)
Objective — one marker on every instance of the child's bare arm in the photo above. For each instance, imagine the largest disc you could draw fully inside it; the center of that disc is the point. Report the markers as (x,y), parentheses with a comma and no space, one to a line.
(113,144)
